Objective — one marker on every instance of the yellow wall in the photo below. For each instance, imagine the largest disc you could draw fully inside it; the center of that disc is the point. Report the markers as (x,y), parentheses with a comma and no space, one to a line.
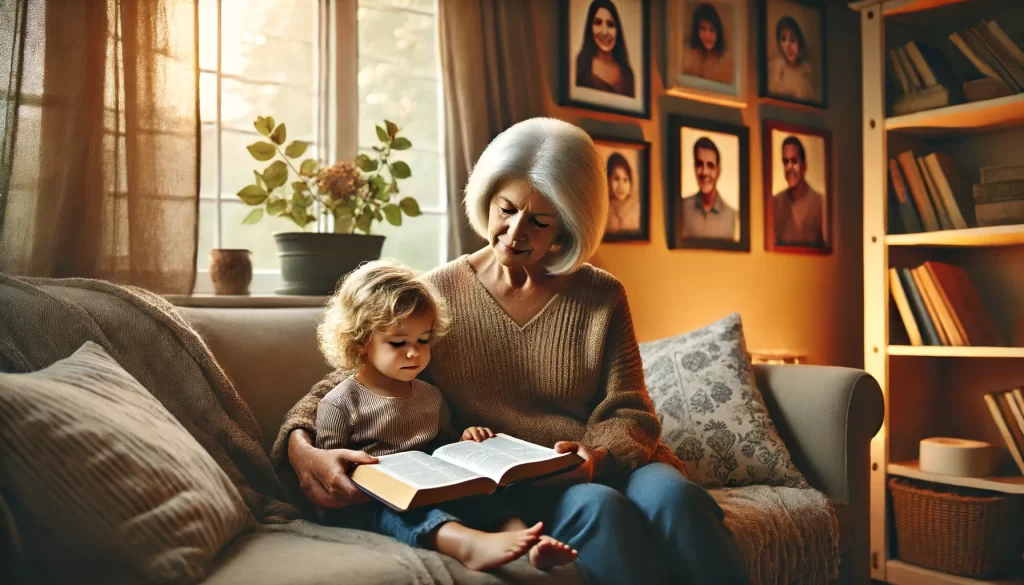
(808,304)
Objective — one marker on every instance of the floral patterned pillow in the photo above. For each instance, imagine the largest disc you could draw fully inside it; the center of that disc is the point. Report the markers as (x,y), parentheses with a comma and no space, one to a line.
(713,416)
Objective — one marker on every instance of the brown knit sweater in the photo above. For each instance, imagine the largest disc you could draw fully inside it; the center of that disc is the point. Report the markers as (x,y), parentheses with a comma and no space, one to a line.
(573,373)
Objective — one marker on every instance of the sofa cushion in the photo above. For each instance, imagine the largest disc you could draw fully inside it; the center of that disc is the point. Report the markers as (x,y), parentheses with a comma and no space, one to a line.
(101,475)
(303,553)
(713,416)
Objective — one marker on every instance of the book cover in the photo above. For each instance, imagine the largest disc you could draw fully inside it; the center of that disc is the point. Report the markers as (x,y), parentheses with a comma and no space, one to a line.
(908,214)
(933,193)
(941,312)
(412,479)
(929,334)
(982,67)
(922,202)
(954,189)
(899,296)
(995,401)
(967,305)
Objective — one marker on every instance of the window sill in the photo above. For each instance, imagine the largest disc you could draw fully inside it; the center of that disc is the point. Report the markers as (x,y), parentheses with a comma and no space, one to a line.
(246,301)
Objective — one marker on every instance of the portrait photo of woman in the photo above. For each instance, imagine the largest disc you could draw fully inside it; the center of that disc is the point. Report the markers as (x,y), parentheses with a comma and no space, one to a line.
(794,70)
(604,55)
(603,60)
(705,43)
(626,171)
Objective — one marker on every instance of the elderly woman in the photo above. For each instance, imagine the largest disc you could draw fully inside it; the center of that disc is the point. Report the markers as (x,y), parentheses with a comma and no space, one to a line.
(541,346)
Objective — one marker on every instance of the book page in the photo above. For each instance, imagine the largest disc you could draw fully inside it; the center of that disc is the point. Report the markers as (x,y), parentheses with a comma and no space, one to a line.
(494,457)
(422,471)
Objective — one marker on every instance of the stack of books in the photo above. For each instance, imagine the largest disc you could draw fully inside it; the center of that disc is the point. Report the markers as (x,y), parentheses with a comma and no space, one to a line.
(1007,410)
(931,192)
(923,78)
(999,198)
(997,58)
(939,305)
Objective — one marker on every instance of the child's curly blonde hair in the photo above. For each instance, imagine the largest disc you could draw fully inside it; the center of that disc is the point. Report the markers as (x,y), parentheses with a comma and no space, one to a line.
(374,297)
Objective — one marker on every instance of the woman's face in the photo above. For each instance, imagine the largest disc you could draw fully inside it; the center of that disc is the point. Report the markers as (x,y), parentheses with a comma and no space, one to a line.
(708,35)
(790,46)
(604,31)
(619,184)
(522,225)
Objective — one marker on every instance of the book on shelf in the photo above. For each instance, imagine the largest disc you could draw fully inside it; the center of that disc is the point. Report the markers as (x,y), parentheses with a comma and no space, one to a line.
(999,198)
(927,293)
(918,192)
(933,194)
(939,305)
(985,88)
(929,335)
(899,296)
(1012,430)
(1002,53)
(939,191)
(1002,173)
(968,313)
(412,479)
(954,189)
(908,214)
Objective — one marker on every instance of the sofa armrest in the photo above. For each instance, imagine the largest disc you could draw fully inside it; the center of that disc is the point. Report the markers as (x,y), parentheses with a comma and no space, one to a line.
(826,416)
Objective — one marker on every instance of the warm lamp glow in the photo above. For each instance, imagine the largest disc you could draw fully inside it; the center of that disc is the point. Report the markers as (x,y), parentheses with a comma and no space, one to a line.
(777,357)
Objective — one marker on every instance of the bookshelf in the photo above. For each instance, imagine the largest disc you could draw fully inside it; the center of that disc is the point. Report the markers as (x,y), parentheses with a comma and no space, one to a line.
(935,390)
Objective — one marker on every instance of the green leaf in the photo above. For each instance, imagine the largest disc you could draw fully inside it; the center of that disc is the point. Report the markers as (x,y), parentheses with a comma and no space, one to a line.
(301,200)
(300,187)
(259,180)
(252,195)
(363,222)
(383,194)
(254,216)
(382,135)
(262,150)
(393,213)
(400,170)
(378,148)
(276,175)
(410,206)
(296,149)
(264,125)
(279,134)
(366,164)
(342,212)
(392,128)
(401,143)
(276,206)
(378,185)
(309,167)
(298,215)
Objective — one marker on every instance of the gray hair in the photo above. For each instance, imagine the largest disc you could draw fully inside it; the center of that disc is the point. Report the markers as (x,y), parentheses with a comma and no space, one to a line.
(559,160)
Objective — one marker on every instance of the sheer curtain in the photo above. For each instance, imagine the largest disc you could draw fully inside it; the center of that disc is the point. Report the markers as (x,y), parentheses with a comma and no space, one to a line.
(99,167)
(492,79)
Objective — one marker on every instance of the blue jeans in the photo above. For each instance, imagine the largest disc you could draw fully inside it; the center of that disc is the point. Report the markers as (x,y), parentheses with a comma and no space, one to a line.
(416,527)
(655,527)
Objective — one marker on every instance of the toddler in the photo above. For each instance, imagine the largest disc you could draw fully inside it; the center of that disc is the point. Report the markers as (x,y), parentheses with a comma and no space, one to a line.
(379,325)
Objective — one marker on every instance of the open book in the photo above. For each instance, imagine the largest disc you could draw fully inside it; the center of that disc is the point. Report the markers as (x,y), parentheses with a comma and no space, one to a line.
(412,479)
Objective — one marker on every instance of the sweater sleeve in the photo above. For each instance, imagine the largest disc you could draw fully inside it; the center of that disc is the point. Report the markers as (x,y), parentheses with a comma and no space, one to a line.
(301,416)
(623,418)
(334,425)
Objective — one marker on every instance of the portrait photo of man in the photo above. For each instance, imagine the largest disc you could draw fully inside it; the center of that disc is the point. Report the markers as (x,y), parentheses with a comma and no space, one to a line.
(799,205)
(705,214)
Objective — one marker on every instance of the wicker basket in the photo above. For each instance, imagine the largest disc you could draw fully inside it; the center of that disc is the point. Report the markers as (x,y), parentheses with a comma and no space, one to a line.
(960,531)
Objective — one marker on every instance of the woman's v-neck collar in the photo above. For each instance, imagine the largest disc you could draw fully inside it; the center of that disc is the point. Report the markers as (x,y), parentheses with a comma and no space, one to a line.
(489,298)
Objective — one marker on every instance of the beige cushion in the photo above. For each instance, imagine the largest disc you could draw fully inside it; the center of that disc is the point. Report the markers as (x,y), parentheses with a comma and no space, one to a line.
(101,475)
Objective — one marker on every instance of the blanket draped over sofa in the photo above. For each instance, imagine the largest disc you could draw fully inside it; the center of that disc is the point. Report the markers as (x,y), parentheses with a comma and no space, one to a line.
(45,320)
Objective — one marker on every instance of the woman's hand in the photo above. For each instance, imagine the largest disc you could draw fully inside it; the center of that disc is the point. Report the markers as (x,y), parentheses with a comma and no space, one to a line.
(595,462)
(477,434)
(323,474)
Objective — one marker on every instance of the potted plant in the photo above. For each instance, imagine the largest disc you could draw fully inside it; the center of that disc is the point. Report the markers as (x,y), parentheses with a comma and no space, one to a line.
(355,193)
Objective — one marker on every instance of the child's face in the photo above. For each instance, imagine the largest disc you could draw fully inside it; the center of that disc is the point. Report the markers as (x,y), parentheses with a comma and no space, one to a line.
(403,350)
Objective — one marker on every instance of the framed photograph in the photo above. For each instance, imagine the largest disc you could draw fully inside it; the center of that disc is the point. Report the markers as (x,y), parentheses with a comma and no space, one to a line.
(708,200)
(792,52)
(604,56)
(706,45)
(627,168)
(797,188)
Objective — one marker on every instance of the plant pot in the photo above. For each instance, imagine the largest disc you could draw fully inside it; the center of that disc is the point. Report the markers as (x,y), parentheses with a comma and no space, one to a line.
(313,263)
(230,271)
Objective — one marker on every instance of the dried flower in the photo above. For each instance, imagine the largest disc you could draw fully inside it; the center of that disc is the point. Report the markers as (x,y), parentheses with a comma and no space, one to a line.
(340,181)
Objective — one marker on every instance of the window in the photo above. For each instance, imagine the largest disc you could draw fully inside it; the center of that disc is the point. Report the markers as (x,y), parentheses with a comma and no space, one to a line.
(264,57)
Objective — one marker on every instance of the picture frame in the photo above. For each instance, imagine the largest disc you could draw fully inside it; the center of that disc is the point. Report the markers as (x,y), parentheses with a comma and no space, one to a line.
(627,162)
(588,31)
(708,200)
(797,181)
(706,50)
(792,53)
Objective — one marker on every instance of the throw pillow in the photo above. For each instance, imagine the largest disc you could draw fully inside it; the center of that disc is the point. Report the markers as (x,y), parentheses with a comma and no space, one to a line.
(102,478)
(713,416)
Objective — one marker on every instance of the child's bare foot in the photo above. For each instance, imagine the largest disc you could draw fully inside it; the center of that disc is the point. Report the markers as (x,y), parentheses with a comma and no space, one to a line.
(485,551)
(549,553)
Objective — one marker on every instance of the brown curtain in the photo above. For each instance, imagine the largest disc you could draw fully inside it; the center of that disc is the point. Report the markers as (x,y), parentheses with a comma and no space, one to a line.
(100,162)
(492,79)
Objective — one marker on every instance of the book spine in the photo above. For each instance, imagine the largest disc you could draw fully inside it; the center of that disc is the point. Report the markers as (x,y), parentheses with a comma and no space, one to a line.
(974,41)
(897,71)
(928,332)
(912,76)
(1000,213)
(975,60)
(1001,174)
(933,193)
(911,221)
(926,73)
(1004,39)
(999,417)
(899,296)
(917,191)
(945,191)
(937,307)
(1002,191)
(1015,70)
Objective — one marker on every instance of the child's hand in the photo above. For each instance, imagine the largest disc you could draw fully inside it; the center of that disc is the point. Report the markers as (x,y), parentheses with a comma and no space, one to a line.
(477,434)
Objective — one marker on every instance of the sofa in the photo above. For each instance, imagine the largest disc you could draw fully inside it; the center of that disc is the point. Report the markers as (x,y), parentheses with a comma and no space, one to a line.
(825,415)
